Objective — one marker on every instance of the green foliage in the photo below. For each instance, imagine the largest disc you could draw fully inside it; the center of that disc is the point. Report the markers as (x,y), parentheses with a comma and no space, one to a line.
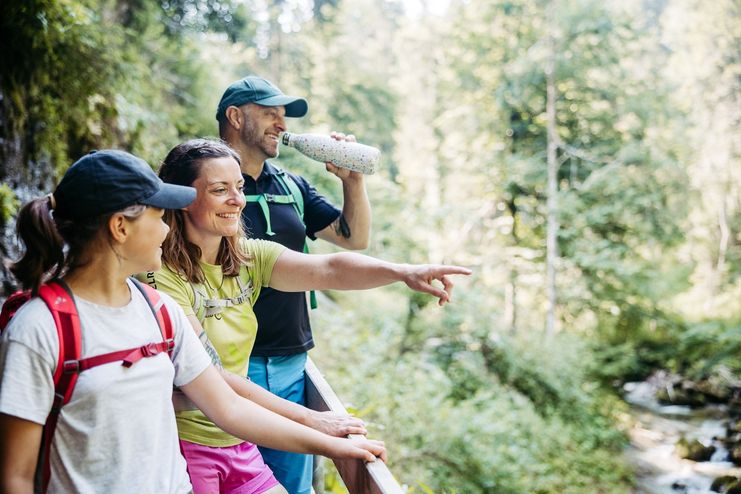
(634,360)
(212,15)
(8,203)
(89,74)
(60,74)
(618,227)
(621,188)
(510,415)
(705,348)
(701,351)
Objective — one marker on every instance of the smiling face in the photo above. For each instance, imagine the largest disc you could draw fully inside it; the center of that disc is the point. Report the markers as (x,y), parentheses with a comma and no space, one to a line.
(262,126)
(219,202)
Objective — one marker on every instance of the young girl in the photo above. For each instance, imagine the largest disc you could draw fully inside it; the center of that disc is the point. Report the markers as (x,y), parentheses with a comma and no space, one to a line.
(118,433)
(216,274)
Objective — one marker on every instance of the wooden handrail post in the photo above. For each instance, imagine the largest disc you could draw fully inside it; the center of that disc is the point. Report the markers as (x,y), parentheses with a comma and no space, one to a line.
(359,477)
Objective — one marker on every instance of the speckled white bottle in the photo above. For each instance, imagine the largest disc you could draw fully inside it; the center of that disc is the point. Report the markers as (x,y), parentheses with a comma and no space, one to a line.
(352,155)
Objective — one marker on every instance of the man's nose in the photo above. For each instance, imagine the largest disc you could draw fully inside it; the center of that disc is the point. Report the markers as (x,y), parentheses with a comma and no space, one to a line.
(280,122)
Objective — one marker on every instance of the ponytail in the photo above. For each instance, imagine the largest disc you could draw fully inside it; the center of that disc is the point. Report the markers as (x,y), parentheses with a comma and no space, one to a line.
(44,246)
(55,245)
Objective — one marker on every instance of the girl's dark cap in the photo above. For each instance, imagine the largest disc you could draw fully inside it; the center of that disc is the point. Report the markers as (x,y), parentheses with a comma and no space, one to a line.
(107,181)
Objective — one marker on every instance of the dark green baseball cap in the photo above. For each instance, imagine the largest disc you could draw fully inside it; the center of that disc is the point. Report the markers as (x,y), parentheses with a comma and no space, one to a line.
(254,89)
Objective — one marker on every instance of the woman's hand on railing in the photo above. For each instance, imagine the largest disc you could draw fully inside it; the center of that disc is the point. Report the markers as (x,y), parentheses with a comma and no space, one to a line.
(335,424)
(359,448)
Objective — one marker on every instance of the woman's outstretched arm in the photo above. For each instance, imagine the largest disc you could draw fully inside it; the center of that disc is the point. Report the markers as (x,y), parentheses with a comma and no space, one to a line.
(297,272)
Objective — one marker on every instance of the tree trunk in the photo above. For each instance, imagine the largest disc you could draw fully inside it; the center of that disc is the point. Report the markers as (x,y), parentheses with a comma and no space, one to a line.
(552,203)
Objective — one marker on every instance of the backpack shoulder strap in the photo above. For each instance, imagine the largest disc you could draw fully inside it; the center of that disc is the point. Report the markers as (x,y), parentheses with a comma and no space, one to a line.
(295,198)
(292,196)
(160,312)
(291,188)
(11,305)
(199,296)
(58,298)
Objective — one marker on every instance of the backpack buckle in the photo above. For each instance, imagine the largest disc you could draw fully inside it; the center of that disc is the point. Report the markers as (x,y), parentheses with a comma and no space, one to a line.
(150,349)
(71,366)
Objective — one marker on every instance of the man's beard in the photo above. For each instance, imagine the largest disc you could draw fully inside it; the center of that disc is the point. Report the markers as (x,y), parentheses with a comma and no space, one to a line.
(251,138)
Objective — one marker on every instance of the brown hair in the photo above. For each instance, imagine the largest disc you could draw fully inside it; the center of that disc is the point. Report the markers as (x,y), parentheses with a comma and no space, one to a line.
(182,166)
(44,237)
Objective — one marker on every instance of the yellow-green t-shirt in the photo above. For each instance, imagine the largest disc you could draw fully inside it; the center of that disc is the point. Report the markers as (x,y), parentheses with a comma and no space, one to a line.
(232,331)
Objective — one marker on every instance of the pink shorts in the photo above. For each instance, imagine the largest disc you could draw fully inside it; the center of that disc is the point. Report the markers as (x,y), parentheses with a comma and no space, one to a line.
(233,469)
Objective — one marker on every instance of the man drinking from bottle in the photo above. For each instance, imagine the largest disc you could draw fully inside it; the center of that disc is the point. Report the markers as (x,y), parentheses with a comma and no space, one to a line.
(285,208)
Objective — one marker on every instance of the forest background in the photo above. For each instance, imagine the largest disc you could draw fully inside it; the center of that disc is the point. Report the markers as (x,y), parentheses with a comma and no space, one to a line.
(632,105)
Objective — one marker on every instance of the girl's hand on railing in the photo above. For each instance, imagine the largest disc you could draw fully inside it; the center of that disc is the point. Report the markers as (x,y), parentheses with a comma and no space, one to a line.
(360,448)
(336,424)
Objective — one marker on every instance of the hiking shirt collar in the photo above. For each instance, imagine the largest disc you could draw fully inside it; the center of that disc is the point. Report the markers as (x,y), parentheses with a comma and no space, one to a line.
(268,170)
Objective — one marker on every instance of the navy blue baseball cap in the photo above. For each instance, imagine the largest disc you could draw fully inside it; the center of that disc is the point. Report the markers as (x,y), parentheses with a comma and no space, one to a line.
(108,181)
(254,89)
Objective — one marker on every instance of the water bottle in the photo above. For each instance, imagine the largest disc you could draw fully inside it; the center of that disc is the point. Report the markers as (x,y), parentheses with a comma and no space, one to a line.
(351,155)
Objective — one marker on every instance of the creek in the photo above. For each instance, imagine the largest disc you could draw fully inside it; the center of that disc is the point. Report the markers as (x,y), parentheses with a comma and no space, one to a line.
(655,430)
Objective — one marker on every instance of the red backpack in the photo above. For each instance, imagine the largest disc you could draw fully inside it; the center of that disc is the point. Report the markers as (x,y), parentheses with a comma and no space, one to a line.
(58,298)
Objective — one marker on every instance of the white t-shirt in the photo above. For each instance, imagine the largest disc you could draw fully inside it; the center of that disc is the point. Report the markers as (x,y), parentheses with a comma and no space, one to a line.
(117,434)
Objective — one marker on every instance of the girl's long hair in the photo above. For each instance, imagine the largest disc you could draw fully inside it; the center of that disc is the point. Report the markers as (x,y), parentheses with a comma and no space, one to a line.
(54,246)
(182,166)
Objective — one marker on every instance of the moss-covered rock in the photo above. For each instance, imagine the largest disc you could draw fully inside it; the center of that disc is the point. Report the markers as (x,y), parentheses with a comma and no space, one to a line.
(694,450)
(734,454)
(734,488)
(681,393)
(721,484)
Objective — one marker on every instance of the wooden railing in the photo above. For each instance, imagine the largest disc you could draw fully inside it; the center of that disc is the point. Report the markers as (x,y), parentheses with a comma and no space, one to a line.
(359,477)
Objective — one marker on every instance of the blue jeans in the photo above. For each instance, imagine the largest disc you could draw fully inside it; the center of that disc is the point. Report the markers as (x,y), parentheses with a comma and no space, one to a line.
(285,376)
